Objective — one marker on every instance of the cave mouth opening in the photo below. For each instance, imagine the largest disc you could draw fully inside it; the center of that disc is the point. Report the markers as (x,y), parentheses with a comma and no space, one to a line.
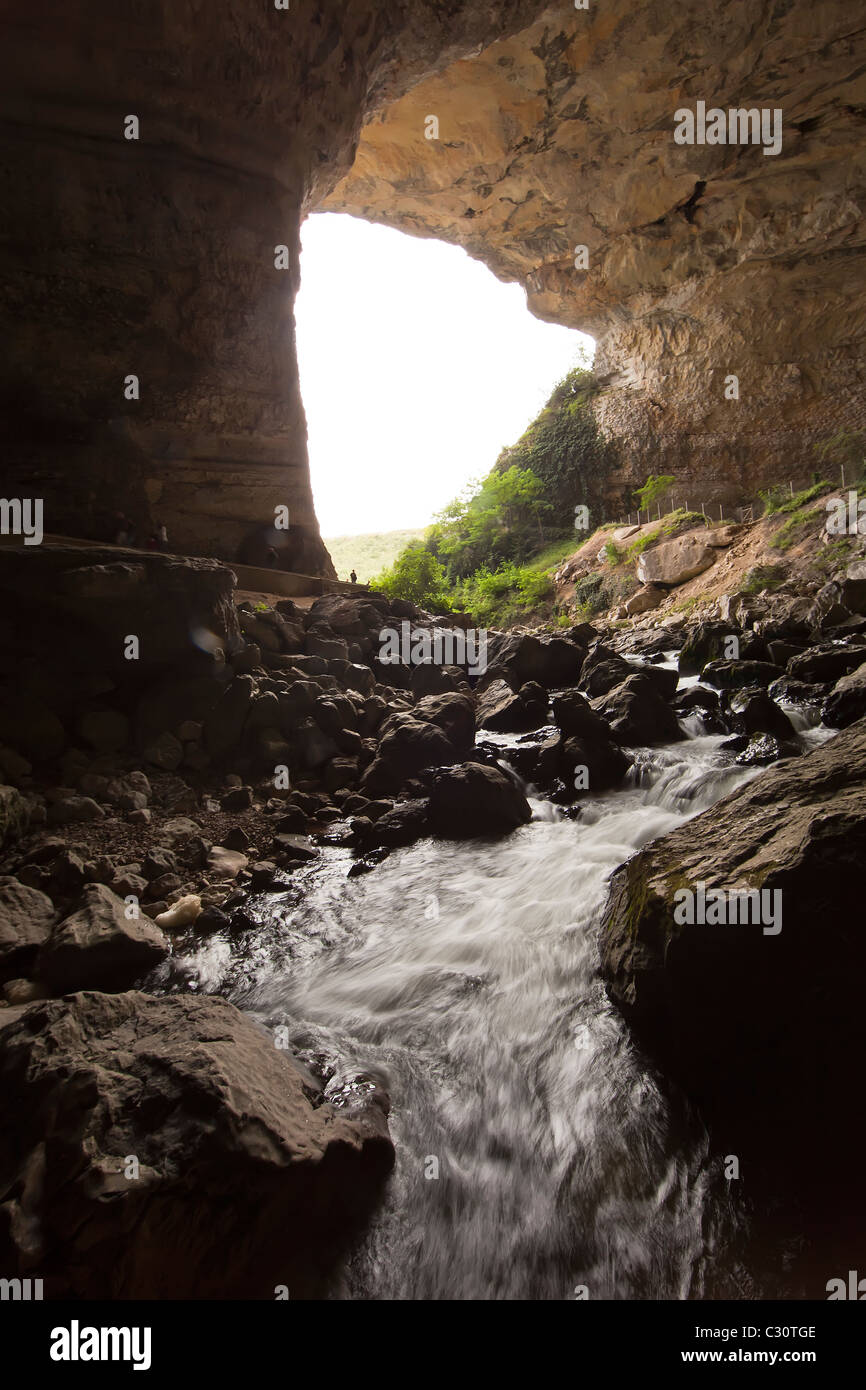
(417,366)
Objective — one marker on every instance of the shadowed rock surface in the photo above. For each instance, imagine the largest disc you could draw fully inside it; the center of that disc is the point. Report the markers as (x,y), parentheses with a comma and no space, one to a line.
(247,1179)
(760,1029)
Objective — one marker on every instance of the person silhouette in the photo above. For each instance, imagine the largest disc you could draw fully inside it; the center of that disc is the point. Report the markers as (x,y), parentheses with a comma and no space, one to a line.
(353,578)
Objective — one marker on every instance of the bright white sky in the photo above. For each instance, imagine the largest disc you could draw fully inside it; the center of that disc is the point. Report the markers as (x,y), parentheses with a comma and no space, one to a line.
(417,366)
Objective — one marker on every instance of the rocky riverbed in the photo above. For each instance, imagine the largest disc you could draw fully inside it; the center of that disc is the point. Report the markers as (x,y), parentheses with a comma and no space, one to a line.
(153,801)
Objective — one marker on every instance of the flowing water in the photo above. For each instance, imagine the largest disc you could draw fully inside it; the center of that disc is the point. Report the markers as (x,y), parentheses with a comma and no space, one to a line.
(537,1155)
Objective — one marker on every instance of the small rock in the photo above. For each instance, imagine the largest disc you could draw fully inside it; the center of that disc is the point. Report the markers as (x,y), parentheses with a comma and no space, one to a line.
(164,885)
(226,863)
(181,914)
(158,862)
(295,847)
(22,991)
(238,799)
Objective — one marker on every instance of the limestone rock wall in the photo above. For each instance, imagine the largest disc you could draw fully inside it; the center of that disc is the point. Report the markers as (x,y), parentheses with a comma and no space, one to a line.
(155,257)
(704,260)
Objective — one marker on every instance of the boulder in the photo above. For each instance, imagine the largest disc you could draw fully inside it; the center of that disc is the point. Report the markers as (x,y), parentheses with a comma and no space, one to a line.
(507,711)
(455,715)
(827,662)
(705,642)
(105,730)
(605,765)
(755,712)
(14,815)
(322,641)
(71,810)
(224,722)
(405,750)
(164,752)
(403,824)
(226,863)
(637,714)
(674,562)
(853,587)
(181,914)
(428,679)
(30,727)
(474,799)
(760,1028)
(729,675)
(644,600)
(720,537)
(602,670)
(26,919)
(247,1178)
(98,947)
(762,749)
(575,716)
(522,657)
(846,701)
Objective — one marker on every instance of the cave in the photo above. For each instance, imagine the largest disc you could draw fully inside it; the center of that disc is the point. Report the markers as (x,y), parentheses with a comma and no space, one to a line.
(157,255)
(336,952)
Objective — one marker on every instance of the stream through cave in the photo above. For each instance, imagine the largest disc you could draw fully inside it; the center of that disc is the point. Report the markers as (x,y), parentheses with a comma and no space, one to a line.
(539,1156)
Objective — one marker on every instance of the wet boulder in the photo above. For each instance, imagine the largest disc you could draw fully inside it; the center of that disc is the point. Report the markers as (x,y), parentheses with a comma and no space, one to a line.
(506,711)
(407,747)
(474,799)
(403,824)
(704,643)
(761,1021)
(574,715)
(827,662)
(729,675)
(233,1143)
(602,670)
(847,700)
(762,749)
(754,712)
(637,714)
(592,765)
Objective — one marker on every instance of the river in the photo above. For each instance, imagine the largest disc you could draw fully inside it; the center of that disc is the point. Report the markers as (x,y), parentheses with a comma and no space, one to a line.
(537,1157)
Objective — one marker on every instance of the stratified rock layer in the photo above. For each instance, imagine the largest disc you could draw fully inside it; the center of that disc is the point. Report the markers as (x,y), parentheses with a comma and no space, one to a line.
(155,256)
(244,1179)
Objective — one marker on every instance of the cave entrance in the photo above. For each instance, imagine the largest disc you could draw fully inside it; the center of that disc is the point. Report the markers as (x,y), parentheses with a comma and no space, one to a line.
(417,366)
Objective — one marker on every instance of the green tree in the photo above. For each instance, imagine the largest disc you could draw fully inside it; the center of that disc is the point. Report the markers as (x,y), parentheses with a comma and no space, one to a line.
(415,575)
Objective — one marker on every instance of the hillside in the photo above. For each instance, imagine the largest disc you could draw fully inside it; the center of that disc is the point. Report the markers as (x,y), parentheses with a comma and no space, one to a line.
(685,565)
(368,554)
